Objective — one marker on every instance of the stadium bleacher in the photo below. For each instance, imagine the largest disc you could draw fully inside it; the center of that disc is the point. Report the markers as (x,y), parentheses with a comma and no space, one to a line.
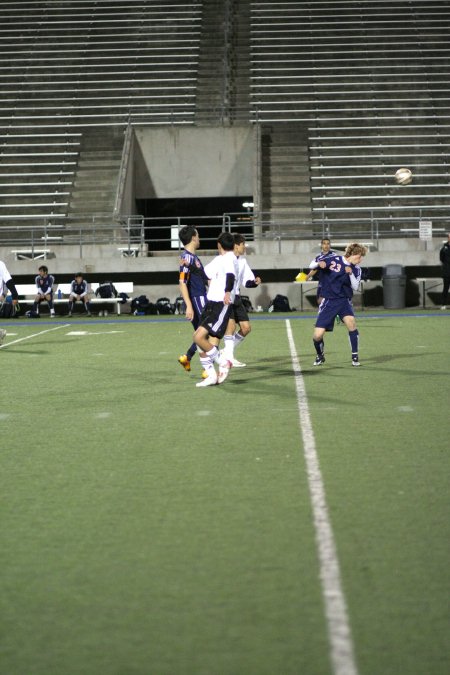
(343,93)
(369,80)
(73,67)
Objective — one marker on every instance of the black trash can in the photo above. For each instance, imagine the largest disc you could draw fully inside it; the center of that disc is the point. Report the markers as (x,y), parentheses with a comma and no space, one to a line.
(394,286)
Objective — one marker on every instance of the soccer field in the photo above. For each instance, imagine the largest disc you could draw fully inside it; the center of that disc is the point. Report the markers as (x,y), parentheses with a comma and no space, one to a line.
(149,527)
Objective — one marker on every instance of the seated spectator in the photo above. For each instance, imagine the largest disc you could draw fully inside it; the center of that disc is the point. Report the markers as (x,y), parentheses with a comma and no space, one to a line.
(79,292)
(44,284)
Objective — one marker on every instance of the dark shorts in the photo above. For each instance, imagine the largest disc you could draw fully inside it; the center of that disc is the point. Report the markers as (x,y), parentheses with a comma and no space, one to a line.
(239,313)
(329,309)
(198,305)
(215,318)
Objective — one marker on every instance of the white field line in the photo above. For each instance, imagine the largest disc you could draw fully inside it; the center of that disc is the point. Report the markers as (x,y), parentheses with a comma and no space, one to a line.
(28,337)
(341,643)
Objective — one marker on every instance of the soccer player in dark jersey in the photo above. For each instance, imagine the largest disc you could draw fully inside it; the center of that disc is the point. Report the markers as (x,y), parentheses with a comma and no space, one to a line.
(44,284)
(341,276)
(193,285)
(79,291)
(325,252)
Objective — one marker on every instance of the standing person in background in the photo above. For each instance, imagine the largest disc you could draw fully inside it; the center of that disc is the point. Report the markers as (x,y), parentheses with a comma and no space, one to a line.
(193,284)
(341,276)
(6,282)
(239,314)
(325,252)
(79,291)
(44,284)
(444,257)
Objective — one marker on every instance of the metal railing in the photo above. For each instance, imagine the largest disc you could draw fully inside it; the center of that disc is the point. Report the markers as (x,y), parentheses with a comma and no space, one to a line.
(136,234)
(127,234)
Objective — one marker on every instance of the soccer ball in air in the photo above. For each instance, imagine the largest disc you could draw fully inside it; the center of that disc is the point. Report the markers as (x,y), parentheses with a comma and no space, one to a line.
(403,176)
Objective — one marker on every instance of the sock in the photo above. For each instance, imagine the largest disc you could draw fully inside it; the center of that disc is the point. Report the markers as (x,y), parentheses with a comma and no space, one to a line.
(70,306)
(208,365)
(319,347)
(238,339)
(354,340)
(35,307)
(50,305)
(191,351)
(228,347)
(213,354)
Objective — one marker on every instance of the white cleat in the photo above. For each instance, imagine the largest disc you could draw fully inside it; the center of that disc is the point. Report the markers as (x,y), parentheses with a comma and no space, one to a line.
(237,364)
(208,381)
(2,335)
(224,370)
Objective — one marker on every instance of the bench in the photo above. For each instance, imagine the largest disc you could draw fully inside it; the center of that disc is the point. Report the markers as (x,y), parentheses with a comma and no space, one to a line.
(31,253)
(130,251)
(27,293)
(422,281)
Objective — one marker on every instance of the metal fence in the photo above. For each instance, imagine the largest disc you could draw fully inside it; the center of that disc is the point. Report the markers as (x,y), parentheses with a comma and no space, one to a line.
(135,235)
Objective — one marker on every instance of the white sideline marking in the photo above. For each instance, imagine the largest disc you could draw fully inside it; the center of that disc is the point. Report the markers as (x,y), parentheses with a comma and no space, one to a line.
(102,415)
(4,416)
(341,643)
(87,332)
(28,337)
(203,413)
(405,408)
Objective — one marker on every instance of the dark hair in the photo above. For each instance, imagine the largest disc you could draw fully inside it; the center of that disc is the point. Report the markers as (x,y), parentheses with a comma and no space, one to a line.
(186,234)
(226,240)
(79,274)
(238,238)
(325,239)
(44,268)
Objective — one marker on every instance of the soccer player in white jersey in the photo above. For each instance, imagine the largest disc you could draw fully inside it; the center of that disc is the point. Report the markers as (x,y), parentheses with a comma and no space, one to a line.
(341,276)
(223,274)
(6,280)
(239,314)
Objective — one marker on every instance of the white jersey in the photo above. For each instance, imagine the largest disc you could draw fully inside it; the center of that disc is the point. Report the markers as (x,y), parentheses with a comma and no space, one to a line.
(4,274)
(245,273)
(217,271)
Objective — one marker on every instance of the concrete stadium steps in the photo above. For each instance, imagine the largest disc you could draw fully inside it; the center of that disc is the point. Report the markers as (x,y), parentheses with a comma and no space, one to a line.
(222,93)
(96,177)
(285,181)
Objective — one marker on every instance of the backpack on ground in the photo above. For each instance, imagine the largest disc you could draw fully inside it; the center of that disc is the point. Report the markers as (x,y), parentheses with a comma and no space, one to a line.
(8,310)
(247,303)
(142,305)
(32,314)
(179,305)
(164,306)
(106,290)
(280,304)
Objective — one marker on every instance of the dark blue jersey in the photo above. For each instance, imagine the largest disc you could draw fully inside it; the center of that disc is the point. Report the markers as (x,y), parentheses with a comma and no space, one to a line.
(335,281)
(79,288)
(45,284)
(192,274)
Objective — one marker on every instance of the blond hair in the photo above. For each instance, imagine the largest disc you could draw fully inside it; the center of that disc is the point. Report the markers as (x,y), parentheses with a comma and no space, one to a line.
(355,249)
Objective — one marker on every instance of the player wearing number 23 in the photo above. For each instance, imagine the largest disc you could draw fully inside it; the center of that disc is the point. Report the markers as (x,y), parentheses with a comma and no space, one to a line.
(341,276)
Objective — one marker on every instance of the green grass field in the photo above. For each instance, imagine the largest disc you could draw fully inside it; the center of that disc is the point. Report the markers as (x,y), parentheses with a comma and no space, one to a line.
(152,528)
